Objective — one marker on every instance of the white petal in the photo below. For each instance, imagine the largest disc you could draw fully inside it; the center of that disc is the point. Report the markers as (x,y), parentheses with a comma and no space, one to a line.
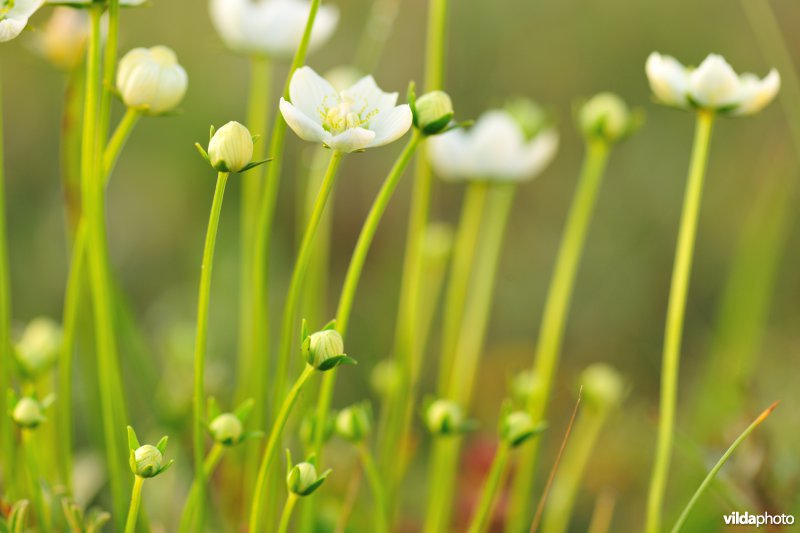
(276,27)
(668,79)
(391,125)
(756,94)
(10,28)
(24,8)
(714,83)
(352,140)
(227,17)
(367,99)
(312,94)
(537,155)
(449,154)
(304,127)
(497,142)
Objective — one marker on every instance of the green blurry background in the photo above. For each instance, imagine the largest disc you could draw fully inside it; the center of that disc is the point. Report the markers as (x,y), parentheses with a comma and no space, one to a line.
(555,52)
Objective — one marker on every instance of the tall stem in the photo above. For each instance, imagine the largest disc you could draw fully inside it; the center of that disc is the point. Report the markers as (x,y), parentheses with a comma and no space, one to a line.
(212,459)
(286,514)
(378,494)
(554,319)
(675,315)
(133,510)
(70,147)
(483,514)
(201,340)
(39,508)
(257,505)
(118,140)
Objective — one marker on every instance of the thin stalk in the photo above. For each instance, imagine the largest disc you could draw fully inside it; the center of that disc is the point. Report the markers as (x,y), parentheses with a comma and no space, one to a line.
(675,315)
(376,485)
(469,346)
(109,72)
(603,513)
(554,319)
(92,197)
(29,442)
(136,500)
(211,461)
(257,506)
(201,341)
(121,135)
(717,467)
(70,146)
(286,515)
(376,32)
(483,514)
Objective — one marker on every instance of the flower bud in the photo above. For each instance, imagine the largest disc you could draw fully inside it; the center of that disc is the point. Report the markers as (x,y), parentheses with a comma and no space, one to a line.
(445,417)
(226,429)
(302,479)
(529,116)
(354,423)
(603,388)
(151,80)
(148,460)
(433,112)
(39,346)
(606,117)
(28,413)
(517,427)
(231,148)
(324,345)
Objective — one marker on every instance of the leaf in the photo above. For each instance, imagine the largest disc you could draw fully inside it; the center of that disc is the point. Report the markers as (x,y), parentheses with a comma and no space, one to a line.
(212,409)
(133,442)
(333,362)
(243,411)
(254,164)
(202,151)
(162,444)
(330,325)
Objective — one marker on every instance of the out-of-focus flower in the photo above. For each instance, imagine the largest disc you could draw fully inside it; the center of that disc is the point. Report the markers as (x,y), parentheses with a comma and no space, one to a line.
(151,80)
(228,428)
(445,417)
(14,15)
(607,117)
(28,412)
(63,41)
(354,423)
(271,27)
(39,346)
(517,427)
(603,387)
(357,118)
(713,86)
(495,148)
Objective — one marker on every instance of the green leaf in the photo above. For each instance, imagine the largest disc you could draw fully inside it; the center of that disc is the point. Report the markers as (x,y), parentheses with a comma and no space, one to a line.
(304,331)
(330,325)
(212,409)
(133,442)
(243,411)
(162,444)
(16,520)
(202,151)
(337,360)
(254,164)
(289,464)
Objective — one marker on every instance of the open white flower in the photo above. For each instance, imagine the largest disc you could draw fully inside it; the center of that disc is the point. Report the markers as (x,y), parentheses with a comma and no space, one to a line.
(713,86)
(360,117)
(494,149)
(272,27)
(14,15)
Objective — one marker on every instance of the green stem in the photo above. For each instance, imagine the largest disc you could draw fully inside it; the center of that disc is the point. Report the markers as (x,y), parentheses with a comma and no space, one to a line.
(286,515)
(212,459)
(118,139)
(70,146)
(257,506)
(675,315)
(480,521)
(201,341)
(109,73)
(378,494)
(376,32)
(133,511)
(554,319)
(718,466)
(28,440)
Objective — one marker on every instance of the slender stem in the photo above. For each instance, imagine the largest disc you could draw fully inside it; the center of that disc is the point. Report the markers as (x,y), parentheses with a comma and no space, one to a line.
(28,440)
(554,319)
(118,140)
(109,73)
(483,515)
(376,32)
(718,466)
(201,340)
(378,494)
(136,499)
(257,506)
(675,315)
(212,459)
(286,515)
(70,146)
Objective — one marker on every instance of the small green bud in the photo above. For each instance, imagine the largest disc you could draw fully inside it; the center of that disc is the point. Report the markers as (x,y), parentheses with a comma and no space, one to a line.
(303,479)
(529,116)
(324,345)
(433,112)
(231,148)
(518,426)
(603,387)
(606,117)
(39,346)
(226,429)
(355,422)
(445,417)
(28,413)
(148,460)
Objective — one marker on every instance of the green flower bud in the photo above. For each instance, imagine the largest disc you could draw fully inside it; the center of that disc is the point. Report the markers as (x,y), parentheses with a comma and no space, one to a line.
(529,116)
(603,387)
(39,346)
(148,461)
(303,479)
(28,413)
(231,148)
(324,345)
(433,112)
(518,426)
(445,417)
(355,422)
(226,429)
(605,116)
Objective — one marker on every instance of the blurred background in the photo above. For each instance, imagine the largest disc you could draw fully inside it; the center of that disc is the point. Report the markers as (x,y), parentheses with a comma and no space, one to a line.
(742,332)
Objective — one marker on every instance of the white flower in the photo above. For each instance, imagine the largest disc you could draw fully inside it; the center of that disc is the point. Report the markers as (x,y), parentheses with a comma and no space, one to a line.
(150,79)
(272,27)
(713,86)
(14,15)
(494,149)
(360,117)
(63,41)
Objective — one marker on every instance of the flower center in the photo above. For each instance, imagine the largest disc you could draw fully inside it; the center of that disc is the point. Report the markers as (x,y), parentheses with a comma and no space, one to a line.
(342,117)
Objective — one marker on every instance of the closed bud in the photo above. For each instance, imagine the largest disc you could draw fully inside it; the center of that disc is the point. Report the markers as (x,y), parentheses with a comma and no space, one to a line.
(147,461)
(528,115)
(433,112)
(445,417)
(28,413)
(603,388)
(231,148)
(606,117)
(302,479)
(518,426)
(324,345)
(151,80)
(355,422)
(226,429)
(39,346)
